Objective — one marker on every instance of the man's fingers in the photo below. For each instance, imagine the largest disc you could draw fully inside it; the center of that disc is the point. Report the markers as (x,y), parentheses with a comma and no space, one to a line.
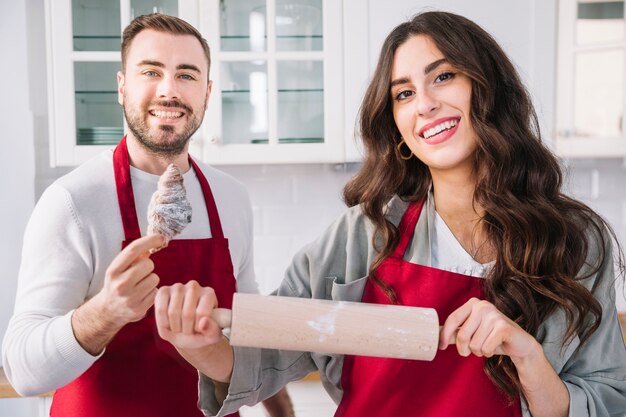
(206,304)
(131,253)
(161,304)
(175,307)
(190,303)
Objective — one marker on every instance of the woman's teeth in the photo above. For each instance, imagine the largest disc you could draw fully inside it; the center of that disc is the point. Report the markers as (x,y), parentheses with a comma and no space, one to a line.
(440,128)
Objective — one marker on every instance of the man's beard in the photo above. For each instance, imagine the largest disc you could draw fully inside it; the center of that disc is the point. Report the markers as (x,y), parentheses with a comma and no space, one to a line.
(165,142)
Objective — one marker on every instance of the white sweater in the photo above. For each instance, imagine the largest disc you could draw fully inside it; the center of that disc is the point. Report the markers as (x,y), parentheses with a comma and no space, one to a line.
(74,233)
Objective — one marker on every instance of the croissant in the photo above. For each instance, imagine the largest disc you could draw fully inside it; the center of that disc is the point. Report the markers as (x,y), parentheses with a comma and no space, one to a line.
(169,210)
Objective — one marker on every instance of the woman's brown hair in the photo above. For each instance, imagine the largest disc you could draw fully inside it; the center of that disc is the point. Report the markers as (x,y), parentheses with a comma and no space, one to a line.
(542,236)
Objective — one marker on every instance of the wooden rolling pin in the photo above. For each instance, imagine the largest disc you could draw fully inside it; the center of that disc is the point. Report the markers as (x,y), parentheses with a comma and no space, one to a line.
(325,326)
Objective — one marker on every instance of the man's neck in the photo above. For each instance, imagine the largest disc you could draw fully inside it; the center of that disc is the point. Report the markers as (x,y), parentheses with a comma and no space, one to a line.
(143,159)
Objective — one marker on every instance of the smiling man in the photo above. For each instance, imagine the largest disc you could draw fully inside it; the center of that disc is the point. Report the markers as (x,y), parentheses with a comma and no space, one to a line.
(84,323)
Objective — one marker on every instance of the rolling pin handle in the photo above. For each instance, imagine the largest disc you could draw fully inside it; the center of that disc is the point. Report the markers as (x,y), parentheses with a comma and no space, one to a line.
(222,316)
(453,337)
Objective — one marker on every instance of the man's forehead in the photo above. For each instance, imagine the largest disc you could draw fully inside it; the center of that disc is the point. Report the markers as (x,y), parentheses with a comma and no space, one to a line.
(150,45)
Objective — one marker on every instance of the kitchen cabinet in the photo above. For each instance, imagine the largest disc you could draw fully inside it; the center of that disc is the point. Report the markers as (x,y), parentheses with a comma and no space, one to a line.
(277,68)
(590,106)
(83,51)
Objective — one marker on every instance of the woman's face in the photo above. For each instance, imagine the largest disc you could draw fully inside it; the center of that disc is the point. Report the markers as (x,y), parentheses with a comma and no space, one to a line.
(431,106)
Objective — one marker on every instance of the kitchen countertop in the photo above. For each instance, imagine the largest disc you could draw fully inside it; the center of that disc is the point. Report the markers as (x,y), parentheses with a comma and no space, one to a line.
(7,391)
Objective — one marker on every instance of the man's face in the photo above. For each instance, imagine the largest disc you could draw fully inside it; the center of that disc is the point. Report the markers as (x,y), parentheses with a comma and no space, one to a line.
(164,90)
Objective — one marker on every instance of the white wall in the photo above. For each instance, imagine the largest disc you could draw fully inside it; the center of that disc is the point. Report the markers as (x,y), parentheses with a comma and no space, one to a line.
(17,164)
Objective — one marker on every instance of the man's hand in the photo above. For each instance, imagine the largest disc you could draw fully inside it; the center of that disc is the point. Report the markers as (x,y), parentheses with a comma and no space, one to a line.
(130,286)
(183,315)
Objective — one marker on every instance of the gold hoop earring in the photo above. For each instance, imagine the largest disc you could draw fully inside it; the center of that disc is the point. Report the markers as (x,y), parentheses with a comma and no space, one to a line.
(402,142)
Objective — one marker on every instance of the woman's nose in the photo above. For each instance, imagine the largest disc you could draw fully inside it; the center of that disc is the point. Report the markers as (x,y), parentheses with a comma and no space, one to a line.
(426,103)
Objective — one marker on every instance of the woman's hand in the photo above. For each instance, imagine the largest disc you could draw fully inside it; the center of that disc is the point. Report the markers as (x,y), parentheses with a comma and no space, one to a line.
(183,315)
(481,329)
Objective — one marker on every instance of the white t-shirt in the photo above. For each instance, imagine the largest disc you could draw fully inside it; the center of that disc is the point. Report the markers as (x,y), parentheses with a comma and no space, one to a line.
(74,233)
(448,254)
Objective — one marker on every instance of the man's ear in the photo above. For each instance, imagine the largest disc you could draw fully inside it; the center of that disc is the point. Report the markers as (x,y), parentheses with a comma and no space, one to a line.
(208,94)
(120,87)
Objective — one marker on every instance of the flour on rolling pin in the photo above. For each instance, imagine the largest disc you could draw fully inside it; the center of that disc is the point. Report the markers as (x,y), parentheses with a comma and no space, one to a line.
(169,210)
(335,327)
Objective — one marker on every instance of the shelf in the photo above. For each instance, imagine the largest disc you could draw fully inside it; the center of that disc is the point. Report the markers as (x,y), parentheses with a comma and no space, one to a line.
(302,90)
(283,43)
(97,37)
(103,135)
(94,92)
(286,141)
(239,37)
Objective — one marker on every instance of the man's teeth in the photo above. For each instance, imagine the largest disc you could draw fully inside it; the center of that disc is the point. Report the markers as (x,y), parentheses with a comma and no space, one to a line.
(440,127)
(166,114)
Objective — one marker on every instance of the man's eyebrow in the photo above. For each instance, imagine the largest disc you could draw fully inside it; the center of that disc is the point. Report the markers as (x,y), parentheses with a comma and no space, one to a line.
(188,67)
(429,68)
(152,63)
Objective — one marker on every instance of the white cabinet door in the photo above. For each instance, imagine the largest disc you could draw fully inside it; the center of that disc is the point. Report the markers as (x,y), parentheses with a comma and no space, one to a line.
(83,49)
(277,72)
(591,87)
(279,69)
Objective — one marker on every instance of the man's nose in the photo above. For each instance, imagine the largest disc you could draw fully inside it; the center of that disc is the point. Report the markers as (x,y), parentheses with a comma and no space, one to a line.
(167,88)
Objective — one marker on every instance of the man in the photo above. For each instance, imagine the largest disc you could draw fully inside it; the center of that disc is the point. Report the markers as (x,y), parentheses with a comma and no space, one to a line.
(83,321)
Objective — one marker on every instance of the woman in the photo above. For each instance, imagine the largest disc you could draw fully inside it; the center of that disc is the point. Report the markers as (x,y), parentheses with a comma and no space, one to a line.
(458,206)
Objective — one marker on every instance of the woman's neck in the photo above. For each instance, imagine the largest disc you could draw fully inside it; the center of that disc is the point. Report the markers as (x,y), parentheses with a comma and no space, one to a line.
(454,202)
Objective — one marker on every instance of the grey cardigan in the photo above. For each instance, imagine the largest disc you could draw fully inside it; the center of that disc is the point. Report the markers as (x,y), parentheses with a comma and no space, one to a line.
(335,266)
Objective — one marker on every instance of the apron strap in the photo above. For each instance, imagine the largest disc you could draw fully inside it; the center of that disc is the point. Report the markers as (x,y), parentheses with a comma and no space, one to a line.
(125,195)
(407,228)
(211,207)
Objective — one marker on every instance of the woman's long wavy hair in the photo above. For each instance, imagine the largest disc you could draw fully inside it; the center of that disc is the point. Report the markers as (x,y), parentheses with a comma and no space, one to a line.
(541,235)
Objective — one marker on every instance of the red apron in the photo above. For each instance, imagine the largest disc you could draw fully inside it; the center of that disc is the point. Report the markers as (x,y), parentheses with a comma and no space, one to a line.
(140,374)
(450,385)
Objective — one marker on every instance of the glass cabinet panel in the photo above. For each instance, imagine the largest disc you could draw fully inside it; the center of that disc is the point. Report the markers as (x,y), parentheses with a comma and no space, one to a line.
(299,25)
(98,114)
(599,21)
(300,101)
(96,25)
(139,7)
(244,102)
(599,100)
(243,25)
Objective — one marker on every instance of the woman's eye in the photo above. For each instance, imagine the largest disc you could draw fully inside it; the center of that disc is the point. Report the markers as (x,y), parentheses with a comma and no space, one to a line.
(402,95)
(444,77)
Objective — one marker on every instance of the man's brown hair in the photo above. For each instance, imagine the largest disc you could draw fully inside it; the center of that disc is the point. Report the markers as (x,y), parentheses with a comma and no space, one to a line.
(161,23)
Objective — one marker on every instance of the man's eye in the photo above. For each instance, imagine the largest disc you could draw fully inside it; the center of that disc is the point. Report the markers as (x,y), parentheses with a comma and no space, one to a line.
(187,77)
(150,73)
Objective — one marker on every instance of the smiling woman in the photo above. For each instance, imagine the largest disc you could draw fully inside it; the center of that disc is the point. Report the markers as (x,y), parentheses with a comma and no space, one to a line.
(473,223)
